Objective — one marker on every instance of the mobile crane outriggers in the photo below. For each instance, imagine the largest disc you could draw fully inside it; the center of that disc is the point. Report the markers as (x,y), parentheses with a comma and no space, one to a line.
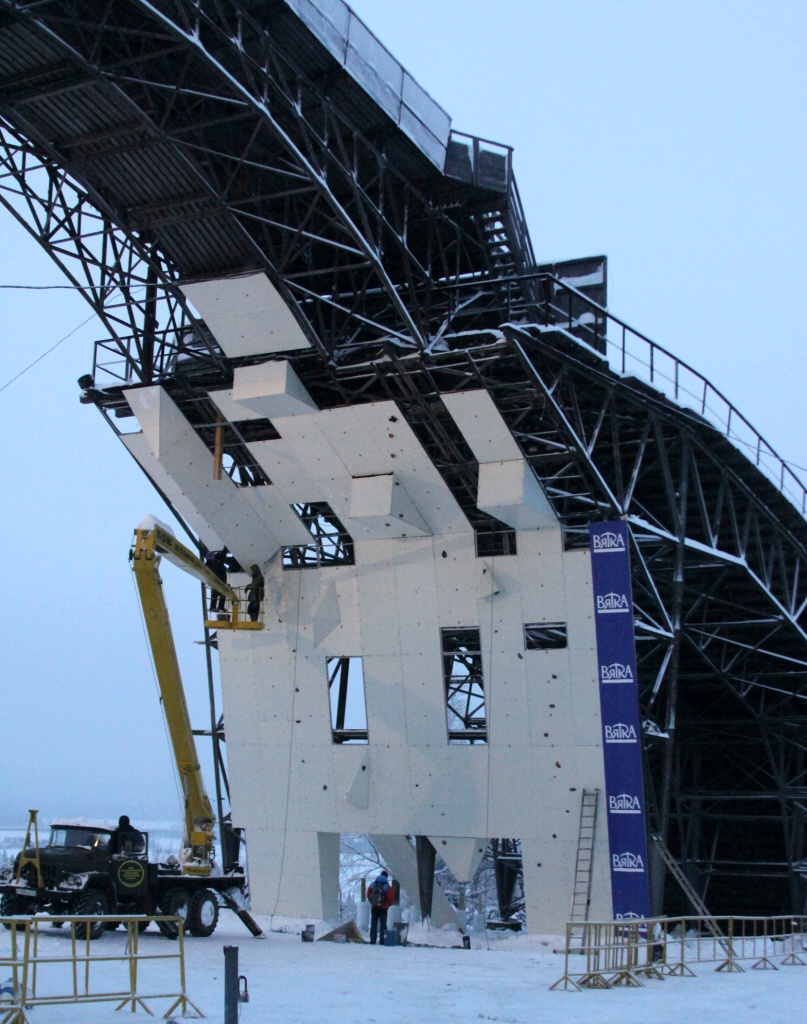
(82,870)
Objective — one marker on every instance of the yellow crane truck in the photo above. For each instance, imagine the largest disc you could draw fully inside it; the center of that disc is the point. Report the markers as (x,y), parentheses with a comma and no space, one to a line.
(92,870)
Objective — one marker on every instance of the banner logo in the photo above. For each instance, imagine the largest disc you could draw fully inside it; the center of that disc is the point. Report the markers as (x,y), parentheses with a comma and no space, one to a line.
(628,863)
(620,733)
(608,542)
(616,672)
(612,604)
(624,804)
(627,916)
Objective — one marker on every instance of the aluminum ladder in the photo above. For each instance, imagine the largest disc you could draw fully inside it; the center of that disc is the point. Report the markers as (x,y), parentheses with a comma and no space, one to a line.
(687,888)
(581,893)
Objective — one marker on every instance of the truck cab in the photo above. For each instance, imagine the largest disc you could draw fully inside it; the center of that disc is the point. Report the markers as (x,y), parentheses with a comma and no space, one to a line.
(85,869)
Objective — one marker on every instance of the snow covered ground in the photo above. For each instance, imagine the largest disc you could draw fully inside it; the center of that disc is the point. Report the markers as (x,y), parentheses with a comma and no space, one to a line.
(499,979)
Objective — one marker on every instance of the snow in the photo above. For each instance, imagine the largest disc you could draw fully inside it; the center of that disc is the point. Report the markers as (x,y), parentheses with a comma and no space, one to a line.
(149,522)
(503,979)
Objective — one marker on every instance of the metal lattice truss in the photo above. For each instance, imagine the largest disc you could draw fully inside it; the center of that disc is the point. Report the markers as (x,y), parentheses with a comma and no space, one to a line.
(720,589)
(123,277)
(147,145)
(198,114)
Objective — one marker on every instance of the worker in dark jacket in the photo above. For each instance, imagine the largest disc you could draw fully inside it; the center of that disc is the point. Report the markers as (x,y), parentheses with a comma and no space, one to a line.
(218,563)
(126,838)
(254,592)
(380,895)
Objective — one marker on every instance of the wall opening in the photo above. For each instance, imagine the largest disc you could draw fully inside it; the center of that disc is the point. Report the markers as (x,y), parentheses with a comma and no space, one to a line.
(331,544)
(228,442)
(464,686)
(348,706)
(494,537)
(545,636)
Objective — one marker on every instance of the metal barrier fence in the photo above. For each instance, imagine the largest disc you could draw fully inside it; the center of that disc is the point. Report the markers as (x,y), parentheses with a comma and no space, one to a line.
(613,953)
(39,977)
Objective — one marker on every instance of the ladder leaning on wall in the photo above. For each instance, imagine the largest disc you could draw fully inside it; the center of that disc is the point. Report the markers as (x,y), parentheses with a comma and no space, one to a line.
(581,893)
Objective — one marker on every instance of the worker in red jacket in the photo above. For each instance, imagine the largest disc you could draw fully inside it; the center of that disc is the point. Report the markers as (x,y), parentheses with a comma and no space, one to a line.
(380,895)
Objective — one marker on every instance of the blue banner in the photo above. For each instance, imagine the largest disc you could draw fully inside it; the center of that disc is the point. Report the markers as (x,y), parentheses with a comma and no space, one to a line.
(621,723)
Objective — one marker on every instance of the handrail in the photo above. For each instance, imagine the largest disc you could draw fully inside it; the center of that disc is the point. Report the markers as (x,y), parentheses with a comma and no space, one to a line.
(631,351)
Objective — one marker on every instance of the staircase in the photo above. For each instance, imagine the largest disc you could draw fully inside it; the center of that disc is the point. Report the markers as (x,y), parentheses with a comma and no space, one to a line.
(581,893)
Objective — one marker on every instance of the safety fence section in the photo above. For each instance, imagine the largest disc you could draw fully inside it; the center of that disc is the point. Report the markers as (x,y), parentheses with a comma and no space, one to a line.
(69,968)
(611,953)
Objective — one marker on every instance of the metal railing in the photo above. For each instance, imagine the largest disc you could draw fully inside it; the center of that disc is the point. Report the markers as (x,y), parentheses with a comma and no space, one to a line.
(120,360)
(479,162)
(632,354)
(57,971)
(625,952)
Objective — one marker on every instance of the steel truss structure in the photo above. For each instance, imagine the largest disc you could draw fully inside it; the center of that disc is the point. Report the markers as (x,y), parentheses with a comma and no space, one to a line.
(148,143)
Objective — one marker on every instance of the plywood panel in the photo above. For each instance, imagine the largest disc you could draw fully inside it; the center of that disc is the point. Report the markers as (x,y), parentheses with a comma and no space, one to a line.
(247,315)
(271,389)
(378,609)
(416,597)
(276,514)
(139,448)
(457,577)
(449,789)
(189,463)
(424,696)
(230,409)
(282,465)
(511,492)
(384,694)
(374,439)
(482,426)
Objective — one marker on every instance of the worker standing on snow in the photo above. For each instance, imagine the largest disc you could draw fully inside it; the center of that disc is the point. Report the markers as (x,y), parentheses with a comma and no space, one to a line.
(380,896)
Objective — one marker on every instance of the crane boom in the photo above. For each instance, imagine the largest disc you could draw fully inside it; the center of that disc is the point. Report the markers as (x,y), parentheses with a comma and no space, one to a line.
(150,546)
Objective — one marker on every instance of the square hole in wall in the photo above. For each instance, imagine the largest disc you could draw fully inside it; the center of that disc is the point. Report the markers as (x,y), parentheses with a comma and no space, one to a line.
(464,686)
(348,706)
(545,636)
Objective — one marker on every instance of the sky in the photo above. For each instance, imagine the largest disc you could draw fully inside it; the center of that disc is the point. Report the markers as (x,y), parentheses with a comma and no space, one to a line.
(670,136)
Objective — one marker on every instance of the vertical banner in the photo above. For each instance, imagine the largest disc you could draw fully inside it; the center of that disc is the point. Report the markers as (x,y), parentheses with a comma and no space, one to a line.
(621,724)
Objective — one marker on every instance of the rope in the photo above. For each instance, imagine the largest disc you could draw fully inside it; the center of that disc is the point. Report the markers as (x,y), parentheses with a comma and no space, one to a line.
(51,349)
(291,746)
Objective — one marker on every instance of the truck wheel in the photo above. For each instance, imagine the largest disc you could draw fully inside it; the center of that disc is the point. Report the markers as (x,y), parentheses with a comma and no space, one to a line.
(92,902)
(177,903)
(11,904)
(204,914)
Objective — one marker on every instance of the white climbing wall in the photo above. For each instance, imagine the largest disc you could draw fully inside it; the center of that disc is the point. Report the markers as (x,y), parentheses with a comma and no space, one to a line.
(416,571)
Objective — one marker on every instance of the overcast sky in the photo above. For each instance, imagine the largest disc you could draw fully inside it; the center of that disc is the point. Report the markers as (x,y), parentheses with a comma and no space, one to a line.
(670,136)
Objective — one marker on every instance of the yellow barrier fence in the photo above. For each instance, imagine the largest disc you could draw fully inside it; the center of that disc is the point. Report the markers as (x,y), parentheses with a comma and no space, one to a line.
(87,971)
(603,954)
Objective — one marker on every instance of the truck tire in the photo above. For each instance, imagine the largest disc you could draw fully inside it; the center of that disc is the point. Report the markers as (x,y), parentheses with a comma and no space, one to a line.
(94,902)
(11,904)
(177,903)
(204,914)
